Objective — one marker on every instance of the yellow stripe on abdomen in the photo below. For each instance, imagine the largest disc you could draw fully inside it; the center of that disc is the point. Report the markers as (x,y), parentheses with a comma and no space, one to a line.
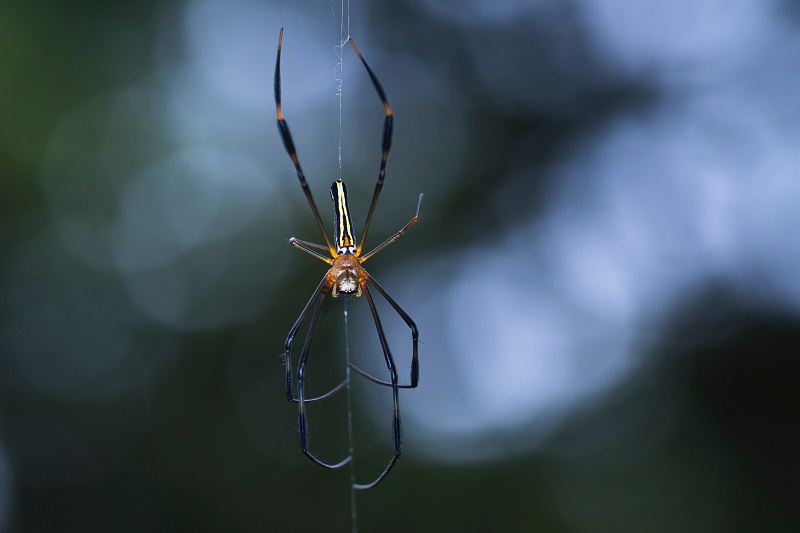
(343,225)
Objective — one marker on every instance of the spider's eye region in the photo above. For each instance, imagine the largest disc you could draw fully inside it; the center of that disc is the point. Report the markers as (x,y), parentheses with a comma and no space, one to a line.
(347,284)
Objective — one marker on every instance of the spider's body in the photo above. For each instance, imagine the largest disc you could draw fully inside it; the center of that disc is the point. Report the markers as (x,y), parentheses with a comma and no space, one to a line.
(342,223)
(346,272)
(347,277)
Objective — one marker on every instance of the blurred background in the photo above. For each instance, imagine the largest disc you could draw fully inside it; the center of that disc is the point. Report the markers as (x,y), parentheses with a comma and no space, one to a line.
(605,274)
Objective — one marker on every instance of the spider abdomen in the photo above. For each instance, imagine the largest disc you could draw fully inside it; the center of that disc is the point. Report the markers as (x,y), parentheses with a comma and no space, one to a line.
(343,234)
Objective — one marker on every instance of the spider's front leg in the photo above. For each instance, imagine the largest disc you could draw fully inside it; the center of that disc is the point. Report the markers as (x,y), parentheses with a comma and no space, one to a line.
(397,436)
(316,300)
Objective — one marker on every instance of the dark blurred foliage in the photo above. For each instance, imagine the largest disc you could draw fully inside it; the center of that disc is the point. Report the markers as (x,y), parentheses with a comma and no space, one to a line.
(208,442)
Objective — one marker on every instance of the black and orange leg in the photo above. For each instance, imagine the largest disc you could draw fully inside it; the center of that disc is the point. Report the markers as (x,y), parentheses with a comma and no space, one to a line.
(396,236)
(397,436)
(414,342)
(302,421)
(288,143)
(319,293)
(386,144)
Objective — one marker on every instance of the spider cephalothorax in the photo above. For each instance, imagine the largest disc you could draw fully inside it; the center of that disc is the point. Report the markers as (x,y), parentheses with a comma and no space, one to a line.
(347,276)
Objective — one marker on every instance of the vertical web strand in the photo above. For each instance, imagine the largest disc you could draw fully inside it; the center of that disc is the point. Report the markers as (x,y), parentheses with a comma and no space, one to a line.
(341,41)
(353,508)
(342,38)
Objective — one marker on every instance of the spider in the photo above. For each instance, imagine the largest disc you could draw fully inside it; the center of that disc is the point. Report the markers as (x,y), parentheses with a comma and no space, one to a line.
(346,277)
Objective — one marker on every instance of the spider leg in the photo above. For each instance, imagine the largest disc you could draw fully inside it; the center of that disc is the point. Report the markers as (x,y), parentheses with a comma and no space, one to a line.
(288,143)
(319,293)
(397,437)
(414,342)
(386,144)
(307,248)
(396,236)
(302,422)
